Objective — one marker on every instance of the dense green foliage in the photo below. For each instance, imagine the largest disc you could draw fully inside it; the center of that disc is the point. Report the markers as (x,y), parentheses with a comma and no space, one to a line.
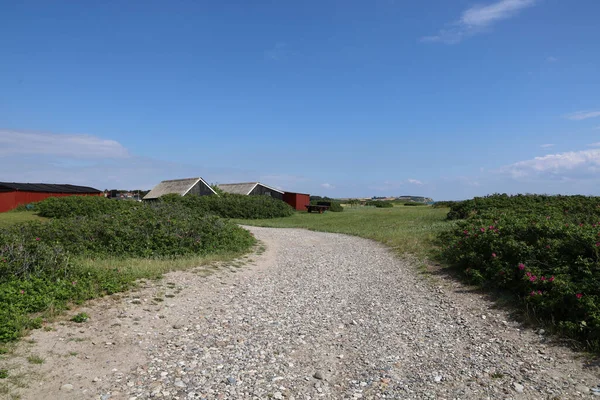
(81,206)
(233,205)
(334,205)
(414,203)
(39,266)
(379,204)
(444,204)
(543,249)
(575,209)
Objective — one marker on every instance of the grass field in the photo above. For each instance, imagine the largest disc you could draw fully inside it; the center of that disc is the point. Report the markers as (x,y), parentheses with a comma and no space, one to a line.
(10,218)
(405,229)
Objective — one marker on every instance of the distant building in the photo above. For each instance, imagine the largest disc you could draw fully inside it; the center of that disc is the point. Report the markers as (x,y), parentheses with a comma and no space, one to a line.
(14,194)
(251,189)
(182,187)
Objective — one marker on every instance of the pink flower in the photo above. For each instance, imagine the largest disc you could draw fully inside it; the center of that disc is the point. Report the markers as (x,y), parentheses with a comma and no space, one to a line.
(532,278)
(74,283)
(597,244)
(543,278)
(493,254)
(532,293)
(37,238)
(551,279)
(482,229)
(539,292)
(579,295)
(491,227)
(521,266)
(466,232)
(22,292)
(528,273)
(547,246)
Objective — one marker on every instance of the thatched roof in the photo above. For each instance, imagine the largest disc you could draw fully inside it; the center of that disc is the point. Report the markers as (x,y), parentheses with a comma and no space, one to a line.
(243,188)
(175,186)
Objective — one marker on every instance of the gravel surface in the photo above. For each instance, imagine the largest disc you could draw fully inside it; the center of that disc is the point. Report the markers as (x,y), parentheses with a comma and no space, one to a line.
(318,315)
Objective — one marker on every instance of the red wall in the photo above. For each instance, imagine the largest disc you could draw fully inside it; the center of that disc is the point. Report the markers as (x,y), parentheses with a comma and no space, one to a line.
(10,200)
(297,200)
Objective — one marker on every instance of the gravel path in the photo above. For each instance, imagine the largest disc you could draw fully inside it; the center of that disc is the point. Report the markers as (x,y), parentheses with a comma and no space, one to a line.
(316,316)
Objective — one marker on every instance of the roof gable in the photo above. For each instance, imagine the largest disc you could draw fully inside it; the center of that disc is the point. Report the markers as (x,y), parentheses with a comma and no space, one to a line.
(243,188)
(175,186)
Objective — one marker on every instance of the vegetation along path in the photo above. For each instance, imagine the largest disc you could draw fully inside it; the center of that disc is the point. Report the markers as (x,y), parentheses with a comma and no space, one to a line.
(318,315)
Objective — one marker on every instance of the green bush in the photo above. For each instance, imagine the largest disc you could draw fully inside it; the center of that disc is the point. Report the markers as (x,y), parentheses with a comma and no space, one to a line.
(37,270)
(81,206)
(334,206)
(574,208)
(234,205)
(548,262)
(414,203)
(159,230)
(444,204)
(379,203)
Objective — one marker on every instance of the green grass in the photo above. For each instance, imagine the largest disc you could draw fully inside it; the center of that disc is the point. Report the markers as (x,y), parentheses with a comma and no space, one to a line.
(14,217)
(80,318)
(408,230)
(34,359)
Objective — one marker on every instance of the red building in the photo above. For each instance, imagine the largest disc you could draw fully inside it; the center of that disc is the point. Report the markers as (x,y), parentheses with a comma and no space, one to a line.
(14,194)
(297,200)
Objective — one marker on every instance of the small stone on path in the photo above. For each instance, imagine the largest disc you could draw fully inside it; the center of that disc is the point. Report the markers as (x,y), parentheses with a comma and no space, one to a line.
(518,387)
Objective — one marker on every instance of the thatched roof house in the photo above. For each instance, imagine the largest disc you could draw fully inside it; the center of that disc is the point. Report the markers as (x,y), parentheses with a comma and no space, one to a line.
(182,187)
(251,189)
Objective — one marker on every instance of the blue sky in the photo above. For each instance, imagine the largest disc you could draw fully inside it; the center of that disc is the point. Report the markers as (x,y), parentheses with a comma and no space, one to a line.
(448,99)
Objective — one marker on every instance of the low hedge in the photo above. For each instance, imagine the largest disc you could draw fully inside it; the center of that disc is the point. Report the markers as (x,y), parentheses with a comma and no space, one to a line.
(38,261)
(161,230)
(72,206)
(549,263)
(380,204)
(234,205)
(573,208)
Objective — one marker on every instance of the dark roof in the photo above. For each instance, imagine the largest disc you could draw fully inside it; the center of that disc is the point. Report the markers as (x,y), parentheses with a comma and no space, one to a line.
(45,188)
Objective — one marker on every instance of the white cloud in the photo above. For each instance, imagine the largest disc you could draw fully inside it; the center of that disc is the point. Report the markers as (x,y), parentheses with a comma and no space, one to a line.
(547,145)
(597,128)
(60,145)
(415,182)
(477,19)
(327,186)
(581,115)
(597,144)
(551,59)
(573,164)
